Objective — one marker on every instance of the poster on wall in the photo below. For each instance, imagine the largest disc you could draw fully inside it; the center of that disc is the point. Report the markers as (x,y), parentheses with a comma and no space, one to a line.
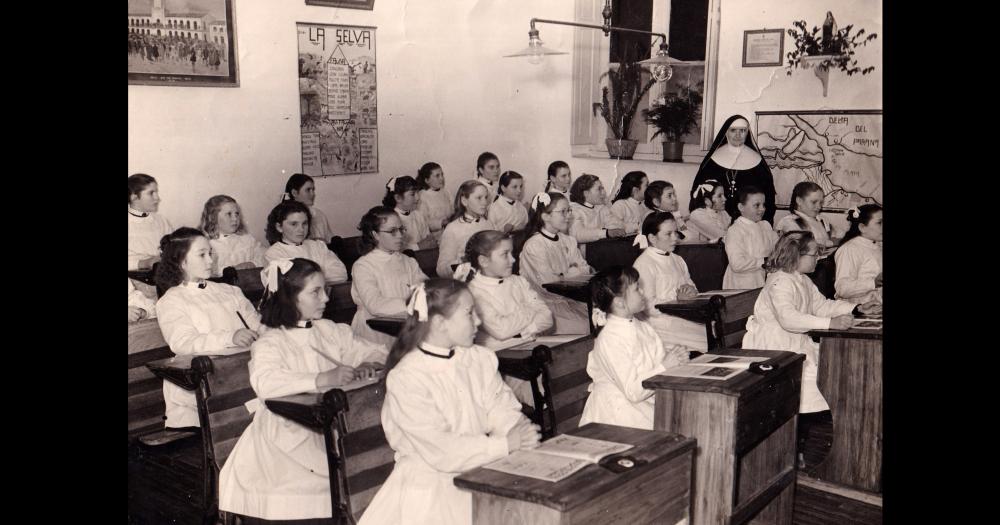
(337,99)
(182,43)
(839,150)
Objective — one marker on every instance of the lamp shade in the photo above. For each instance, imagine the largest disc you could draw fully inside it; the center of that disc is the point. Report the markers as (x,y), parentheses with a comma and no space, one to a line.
(535,50)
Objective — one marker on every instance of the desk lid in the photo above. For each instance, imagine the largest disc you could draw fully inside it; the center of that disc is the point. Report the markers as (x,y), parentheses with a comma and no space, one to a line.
(734,386)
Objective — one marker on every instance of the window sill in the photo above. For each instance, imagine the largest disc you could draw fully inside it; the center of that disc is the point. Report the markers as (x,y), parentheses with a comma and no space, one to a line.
(588,152)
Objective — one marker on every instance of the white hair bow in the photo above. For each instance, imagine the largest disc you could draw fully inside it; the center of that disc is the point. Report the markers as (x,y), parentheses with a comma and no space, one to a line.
(418,303)
(391,185)
(703,189)
(542,197)
(598,317)
(854,211)
(462,271)
(641,241)
(269,275)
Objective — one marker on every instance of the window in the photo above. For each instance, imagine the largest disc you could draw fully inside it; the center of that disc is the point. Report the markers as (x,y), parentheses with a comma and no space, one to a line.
(692,29)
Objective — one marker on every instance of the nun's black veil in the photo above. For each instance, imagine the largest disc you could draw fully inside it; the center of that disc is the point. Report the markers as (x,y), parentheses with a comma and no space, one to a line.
(720,139)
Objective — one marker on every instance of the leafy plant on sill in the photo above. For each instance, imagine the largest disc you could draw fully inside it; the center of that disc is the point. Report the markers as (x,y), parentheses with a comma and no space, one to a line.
(677,115)
(837,46)
(627,90)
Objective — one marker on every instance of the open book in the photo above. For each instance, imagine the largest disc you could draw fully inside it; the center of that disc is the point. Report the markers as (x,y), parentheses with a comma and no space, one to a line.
(557,458)
(710,366)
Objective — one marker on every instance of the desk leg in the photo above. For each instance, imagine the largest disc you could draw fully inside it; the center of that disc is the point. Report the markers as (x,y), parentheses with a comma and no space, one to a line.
(850,378)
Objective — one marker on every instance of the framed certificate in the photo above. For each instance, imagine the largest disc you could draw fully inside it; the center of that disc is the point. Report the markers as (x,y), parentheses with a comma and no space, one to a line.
(763,47)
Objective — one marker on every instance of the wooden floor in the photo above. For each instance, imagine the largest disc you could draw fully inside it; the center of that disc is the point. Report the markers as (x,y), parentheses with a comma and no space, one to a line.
(165,484)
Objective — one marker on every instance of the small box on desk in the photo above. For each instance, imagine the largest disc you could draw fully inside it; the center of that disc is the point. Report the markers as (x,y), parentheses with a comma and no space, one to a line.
(745,429)
(658,491)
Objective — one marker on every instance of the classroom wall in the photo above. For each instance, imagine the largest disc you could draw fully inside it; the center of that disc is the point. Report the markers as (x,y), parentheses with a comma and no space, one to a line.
(444,94)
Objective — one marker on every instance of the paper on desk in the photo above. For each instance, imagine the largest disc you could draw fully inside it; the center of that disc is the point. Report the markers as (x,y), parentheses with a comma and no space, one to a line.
(547,340)
(531,464)
(728,361)
(702,372)
(724,293)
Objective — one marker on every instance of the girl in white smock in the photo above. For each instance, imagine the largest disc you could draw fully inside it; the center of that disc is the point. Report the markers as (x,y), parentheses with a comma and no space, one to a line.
(560,178)
(401,195)
(805,207)
(222,222)
(592,219)
(552,255)
(749,242)
(446,411)
(470,217)
(141,302)
(435,201)
(488,173)
(628,205)
(663,276)
(507,213)
(661,197)
(790,305)
(278,468)
(383,277)
(287,228)
(301,188)
(859,258)
(145,226)
(709,220)
(197,316)
(626,352)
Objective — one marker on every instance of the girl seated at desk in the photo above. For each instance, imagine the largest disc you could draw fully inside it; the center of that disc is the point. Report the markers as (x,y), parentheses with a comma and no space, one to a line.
(488,173)
(805,207)
(278,468)
(402,197)
(302,188)
(288,227)
(660,196)
(145,226)
(197,316)
(709,220)
(627,206)
(551,255)
(222,222)
(560,178)
(446,411)
(506,303)
(435,201)
(592,218)
(383,276)
(507,213)
(789,306)
(663,276)
(859,258)
(626,352)
(749,242)
(470,217)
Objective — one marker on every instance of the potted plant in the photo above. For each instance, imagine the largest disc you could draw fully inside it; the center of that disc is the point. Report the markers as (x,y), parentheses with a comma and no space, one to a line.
(832,48)
(620,102)
(674,118)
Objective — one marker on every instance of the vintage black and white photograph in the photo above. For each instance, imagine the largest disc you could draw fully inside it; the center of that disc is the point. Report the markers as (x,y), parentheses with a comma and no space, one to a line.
(506,261)
(182,42)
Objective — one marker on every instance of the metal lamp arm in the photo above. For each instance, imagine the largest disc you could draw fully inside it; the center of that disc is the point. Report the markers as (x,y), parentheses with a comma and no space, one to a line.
(606,28)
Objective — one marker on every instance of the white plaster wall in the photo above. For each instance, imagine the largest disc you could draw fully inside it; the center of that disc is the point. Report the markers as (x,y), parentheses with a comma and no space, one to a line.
(444,94)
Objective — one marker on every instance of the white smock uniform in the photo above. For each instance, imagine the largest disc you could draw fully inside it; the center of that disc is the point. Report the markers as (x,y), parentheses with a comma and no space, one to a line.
(453,241)
(859,261)
(748,243)
(238,248)
(380,286)
(626,352)
(548,258)
(798,221)
(630,213)
(416,228)
(788,307)
(333,270)
(436,205)
(144,234)
(660,274)
(199,321)
(319,226)
(504,211)
(708,225)
(443,416)
(278,468)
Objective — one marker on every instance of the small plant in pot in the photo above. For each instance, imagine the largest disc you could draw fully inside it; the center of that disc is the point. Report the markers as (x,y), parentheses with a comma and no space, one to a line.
(620,103)
(674,118)
(827,48)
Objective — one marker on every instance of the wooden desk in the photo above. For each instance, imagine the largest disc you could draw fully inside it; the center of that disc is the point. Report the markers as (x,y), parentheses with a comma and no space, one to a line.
(358,456)
(850,378)
(656,492)
(603,253)
(723,312)
(145,391)
(386,325)
(179,370)
(706,263)
(745,428)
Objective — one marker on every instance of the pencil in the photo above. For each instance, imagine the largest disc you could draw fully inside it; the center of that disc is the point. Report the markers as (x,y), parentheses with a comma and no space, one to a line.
(242,320)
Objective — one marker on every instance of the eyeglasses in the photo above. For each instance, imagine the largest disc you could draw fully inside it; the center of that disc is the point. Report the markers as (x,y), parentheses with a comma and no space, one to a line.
(401,230)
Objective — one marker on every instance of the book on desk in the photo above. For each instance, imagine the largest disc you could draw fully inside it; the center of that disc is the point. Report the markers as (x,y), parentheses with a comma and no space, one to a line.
(557,458)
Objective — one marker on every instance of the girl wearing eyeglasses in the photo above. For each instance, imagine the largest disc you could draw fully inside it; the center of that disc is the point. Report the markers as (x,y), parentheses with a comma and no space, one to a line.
(383,277)
(790,305)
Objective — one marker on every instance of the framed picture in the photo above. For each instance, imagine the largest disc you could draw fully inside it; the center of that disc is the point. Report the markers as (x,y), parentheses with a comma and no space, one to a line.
(350,4)
(191,43)
(763,47)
